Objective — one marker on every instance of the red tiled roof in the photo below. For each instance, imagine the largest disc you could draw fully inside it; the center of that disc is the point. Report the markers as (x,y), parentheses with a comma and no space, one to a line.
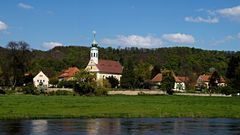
(109,66)
(205,78)
(67,73)
(181,79)
(157,78)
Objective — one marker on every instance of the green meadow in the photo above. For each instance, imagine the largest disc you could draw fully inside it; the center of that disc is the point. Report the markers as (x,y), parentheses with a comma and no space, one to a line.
(41,107)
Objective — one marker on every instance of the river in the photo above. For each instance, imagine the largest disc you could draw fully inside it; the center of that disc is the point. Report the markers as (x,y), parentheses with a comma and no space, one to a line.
(121,126)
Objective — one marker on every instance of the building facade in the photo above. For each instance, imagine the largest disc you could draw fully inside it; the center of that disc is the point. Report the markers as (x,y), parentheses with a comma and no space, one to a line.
(103,68)
(41,80)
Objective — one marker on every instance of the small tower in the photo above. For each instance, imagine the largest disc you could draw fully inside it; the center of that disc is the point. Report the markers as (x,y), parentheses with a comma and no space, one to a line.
(94,49)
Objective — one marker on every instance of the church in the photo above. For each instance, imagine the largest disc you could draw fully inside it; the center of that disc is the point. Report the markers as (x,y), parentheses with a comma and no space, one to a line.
(102,68)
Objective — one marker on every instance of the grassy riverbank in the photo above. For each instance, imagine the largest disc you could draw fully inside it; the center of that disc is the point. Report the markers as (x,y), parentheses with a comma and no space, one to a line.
(31,107)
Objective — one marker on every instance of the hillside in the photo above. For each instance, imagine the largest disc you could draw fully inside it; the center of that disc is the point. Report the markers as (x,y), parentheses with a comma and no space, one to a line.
(182,60)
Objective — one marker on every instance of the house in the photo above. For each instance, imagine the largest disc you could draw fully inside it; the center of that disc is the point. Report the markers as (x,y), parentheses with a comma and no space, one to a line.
(68,74)
(41,80)
(203,80)
(103,68)
(179,85)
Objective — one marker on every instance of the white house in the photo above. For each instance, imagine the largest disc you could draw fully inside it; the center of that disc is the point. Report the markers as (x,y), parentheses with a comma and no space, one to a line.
(179,85)
(103,68)
(41,80)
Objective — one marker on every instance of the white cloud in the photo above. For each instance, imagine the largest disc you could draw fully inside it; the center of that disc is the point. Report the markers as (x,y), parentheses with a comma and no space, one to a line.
(233,11)
(50,45)
(3,26)
(25,6)
(179,38)
(200,19)
(134,41)
(224,40)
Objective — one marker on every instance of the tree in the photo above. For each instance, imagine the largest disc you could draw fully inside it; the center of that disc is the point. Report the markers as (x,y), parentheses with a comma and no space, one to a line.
(18,61)
(168,81)
(156,69)
(213,82)
(128,77)
(84,76)
(233,72)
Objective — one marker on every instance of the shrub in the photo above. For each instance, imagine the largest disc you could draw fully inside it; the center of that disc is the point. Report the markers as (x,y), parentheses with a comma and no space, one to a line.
(66,84)
(89,88)
(227,90)
(100,91)
(29,89)
(2,91)
(85,88)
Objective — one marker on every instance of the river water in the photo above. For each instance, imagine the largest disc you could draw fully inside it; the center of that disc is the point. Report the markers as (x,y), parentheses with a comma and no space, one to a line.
(121,126)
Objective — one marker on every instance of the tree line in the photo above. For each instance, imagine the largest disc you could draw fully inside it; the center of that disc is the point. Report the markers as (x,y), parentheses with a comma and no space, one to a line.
(140,64)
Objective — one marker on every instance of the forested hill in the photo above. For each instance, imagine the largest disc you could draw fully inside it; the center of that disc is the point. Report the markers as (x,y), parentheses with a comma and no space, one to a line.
(182,60)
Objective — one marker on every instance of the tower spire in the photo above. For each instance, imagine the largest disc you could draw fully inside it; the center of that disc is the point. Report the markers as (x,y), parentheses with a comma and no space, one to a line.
(94,43)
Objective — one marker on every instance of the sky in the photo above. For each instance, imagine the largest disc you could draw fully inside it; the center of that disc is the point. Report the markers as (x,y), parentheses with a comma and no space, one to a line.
(43,24)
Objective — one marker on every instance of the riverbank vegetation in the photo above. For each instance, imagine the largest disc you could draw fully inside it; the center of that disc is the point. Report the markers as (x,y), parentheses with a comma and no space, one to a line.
(38,107)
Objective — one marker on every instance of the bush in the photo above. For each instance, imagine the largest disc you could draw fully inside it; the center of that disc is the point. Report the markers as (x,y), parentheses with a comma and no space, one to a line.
(89,88)
(29,89)
(100,91)
(2,91)
(227,90)
(66,84)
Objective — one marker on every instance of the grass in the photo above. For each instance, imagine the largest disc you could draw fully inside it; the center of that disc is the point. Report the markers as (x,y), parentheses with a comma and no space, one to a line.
(37,107)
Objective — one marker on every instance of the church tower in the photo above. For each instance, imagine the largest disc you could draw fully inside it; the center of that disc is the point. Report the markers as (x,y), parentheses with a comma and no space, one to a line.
(94,49)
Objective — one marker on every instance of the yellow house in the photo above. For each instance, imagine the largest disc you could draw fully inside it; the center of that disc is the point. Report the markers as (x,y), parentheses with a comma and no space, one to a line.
(103,68)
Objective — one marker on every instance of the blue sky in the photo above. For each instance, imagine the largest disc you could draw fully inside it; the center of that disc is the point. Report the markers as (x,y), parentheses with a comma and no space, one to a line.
(206,24)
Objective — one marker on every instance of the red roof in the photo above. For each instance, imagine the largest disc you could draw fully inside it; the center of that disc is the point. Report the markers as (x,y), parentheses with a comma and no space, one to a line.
(109,66)
(205,78)
(68,73)
(180,79)
(157,78)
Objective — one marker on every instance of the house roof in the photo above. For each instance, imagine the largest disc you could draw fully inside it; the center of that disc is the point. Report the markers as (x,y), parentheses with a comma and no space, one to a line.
(205,78)
(109,66)
(181,79)
(157,78)
(67,73)
(40,74)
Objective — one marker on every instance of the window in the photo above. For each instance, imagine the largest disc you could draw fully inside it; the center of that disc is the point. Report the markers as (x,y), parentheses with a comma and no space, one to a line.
(91,67)
(43,80)
(37,80)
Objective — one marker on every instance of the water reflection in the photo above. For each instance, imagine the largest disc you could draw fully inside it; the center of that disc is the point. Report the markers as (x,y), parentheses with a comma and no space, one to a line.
(121,126)
(39,126)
